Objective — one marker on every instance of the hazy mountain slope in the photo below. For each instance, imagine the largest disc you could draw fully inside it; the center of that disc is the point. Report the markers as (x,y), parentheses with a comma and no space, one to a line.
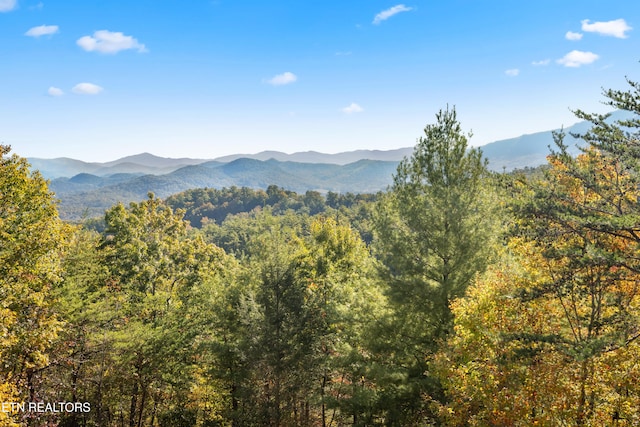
(87,182)
(532,150)
(62,166)
(153,161)
(524,151)
(371,175)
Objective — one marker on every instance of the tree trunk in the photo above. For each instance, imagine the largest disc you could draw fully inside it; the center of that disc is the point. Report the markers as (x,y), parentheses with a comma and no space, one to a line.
(322,391)
(142,403)
(134,405)
(582,401)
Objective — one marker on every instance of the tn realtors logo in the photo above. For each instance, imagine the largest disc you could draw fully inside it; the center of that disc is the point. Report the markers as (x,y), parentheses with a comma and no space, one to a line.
(45,407)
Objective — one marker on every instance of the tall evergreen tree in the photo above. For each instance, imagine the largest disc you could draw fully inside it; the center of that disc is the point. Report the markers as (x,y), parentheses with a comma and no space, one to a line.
(433,236)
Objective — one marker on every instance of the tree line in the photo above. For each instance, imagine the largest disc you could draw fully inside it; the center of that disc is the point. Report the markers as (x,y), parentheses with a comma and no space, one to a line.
(458,297)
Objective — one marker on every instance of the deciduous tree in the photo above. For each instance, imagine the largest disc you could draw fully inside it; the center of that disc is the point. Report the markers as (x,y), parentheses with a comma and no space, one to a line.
(557,332)
(32,240)
(158,286)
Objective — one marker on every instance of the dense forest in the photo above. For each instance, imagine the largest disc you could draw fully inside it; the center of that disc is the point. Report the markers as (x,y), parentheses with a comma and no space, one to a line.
(459,297)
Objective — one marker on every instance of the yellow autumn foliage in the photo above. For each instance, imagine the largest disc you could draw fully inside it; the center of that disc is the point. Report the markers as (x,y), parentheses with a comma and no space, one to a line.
(549,335)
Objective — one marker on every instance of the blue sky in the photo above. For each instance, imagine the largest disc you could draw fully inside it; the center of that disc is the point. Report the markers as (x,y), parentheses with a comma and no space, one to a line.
(98,80)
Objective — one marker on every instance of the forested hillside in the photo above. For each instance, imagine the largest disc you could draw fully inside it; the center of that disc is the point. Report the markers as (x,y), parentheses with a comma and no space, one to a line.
(87,195)
(459,297)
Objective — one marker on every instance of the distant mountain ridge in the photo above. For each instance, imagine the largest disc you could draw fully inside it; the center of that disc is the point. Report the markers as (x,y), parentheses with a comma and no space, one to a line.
(317,157)
(523,151)
(89,188)
(151,160)
(146,163)
(532,150)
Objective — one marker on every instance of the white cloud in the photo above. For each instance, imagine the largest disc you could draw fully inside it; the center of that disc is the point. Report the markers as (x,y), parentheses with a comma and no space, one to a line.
(616,28)
(104,41)
(353,108)
(541,63)
(573,36)
(55,91)
(576,58)
(7,5)
(42,30)
(282,79)
(512,72)
(86,89)
(386,14)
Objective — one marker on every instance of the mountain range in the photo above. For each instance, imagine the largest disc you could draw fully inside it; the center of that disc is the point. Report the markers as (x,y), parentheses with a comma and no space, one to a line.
(87,189)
